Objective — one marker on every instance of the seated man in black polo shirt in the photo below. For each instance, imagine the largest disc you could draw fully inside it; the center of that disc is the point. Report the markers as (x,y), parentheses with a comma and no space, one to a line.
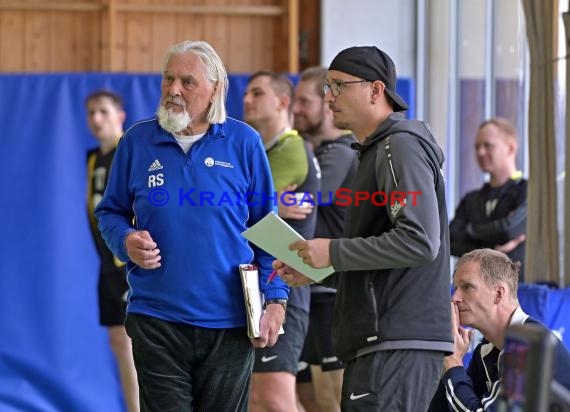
(485,298)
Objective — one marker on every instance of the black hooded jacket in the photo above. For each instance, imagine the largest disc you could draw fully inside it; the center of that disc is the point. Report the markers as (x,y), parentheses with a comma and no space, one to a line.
(393,289)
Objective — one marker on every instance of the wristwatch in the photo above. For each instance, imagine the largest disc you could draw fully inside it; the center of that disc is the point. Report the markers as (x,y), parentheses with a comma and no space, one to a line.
(282,302)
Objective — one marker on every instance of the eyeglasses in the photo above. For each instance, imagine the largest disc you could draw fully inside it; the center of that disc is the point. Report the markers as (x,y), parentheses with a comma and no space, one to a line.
(335,87)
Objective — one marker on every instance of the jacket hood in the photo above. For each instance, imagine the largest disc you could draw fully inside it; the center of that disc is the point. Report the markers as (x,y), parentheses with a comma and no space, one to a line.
(347,138)
(396,123)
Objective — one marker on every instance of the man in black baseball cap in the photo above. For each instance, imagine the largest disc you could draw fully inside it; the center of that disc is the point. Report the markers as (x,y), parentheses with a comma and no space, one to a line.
(392,313)
(370,63)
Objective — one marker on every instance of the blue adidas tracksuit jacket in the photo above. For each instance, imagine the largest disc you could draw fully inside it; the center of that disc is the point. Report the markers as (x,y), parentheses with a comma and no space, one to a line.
(195,207)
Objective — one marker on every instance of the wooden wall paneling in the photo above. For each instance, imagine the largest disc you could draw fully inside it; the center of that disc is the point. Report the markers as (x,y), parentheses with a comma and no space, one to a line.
(281,40)
(190,26)
(163,36)
(270,46)
(51,5)
(243,9)
(112,34)
(108,36)
(37,41)
(64,41)
(139,40)
(86,29)
(105,41)
(263,40)
(268,40)
(132,35)
(216,31)
(292,32)
(119,63)
(90,58)
(256,52)
(241,42)
(12,50)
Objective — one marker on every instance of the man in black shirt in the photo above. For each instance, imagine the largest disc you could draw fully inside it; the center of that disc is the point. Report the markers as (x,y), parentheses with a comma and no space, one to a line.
(105,117)
(494,216)
(485,298)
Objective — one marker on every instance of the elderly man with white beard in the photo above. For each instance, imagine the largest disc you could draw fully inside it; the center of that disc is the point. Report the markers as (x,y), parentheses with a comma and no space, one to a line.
(171,212)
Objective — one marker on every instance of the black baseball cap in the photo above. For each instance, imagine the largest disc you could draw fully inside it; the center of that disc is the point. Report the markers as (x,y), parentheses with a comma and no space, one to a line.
(370,63)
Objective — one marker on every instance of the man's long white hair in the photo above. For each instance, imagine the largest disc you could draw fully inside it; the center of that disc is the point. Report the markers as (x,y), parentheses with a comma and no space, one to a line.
(215,72)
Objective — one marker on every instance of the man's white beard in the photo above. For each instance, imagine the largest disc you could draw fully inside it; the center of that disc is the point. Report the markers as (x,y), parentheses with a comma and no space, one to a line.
(171,121)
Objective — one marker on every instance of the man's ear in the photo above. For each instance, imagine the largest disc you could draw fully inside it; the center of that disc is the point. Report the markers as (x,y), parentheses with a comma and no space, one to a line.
(284,102)
(510,142)
(500,293)
(377,90)
(513,146)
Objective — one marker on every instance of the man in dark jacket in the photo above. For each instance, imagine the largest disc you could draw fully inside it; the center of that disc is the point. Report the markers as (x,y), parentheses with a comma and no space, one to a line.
(392,309)
(485,298)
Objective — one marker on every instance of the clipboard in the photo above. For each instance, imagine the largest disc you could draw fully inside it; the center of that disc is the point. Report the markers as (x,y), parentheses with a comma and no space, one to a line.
(249,275)
(274,235)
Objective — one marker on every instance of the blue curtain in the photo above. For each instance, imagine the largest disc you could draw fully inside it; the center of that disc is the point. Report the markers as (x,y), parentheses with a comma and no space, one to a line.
(54,356)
